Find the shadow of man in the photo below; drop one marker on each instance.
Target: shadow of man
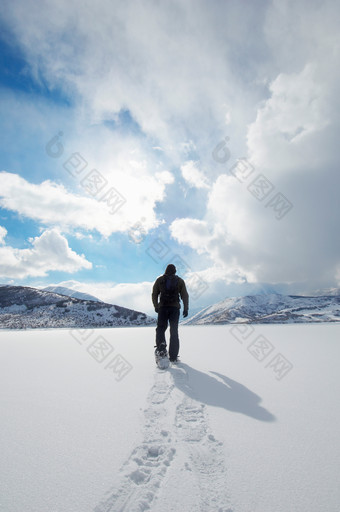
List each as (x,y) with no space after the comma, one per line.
(219,391)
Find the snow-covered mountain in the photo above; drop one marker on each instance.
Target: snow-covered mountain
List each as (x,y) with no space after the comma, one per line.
(273,308)
(24,307)
(63,290)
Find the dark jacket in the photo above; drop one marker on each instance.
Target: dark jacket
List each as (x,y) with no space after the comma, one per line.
(182,291)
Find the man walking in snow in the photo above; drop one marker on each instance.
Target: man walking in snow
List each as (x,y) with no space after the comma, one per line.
(165,297)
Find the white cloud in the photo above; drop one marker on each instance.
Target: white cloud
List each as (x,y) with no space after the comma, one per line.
(130,295)
(165,177)
(192,232)
(213,238)
(49,252)
(51,204)
(238,232)
(186,72)
(82,236)
(193,175)
(3,233)
(148,58)
(337,274)
(212,275)
(292,142)
(297,112)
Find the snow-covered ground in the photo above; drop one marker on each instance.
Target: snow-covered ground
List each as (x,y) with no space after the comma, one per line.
(248,422)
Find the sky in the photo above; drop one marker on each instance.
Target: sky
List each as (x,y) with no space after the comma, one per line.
(139,133)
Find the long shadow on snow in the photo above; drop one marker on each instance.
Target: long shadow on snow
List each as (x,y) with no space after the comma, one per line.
(229,394)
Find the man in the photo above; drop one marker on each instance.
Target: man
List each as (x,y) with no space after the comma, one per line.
(168,288)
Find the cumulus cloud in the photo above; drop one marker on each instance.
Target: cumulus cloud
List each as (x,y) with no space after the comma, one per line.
(48,252)
(292,146)
(213,239)
(186,71)
(3,233)
(291,122)
(193,175)
(175,66)
(165,177)
(240,233)
(52,204)
(192,232)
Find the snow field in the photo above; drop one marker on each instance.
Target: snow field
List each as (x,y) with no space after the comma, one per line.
(218,432)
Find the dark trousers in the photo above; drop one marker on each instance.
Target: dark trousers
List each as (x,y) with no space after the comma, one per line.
(168,314)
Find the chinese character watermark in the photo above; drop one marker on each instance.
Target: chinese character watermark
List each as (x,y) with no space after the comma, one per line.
(261,348)
(137,233)
(260,187)
(242,169)
(221,153)
(101,351)
(93,182)
(160,252)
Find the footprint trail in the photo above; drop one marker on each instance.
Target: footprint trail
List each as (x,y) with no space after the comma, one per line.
(178,451)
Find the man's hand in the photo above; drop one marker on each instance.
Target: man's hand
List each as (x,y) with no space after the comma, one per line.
(185,313)
(156,309)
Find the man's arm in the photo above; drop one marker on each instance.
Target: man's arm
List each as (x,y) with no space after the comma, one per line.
(184,295)
(155,292)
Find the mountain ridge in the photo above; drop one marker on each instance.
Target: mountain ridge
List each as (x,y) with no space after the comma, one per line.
(272,308)
(26,307)
(23,307)
(70,292)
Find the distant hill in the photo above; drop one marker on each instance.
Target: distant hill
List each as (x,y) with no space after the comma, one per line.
(272,308)
(23,307)
(62,290)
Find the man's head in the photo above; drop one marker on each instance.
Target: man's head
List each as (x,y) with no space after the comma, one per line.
(170,269)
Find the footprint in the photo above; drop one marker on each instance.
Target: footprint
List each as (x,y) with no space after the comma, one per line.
(205,457)
(190,421)
(142,474)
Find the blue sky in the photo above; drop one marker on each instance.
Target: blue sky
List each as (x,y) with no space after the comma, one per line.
(134,134)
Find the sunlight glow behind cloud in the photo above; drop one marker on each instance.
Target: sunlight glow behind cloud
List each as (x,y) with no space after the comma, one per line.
(152,89)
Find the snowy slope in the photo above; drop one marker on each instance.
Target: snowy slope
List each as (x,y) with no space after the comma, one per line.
(224,431)
(273,308)
(23,307)
(63,290)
